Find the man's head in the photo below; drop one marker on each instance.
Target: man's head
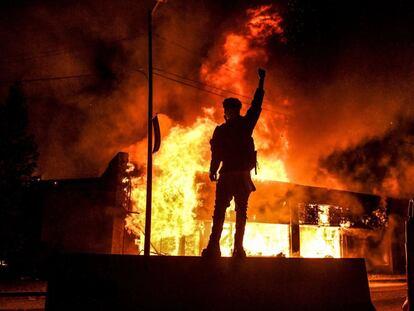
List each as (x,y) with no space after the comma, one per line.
(231,107)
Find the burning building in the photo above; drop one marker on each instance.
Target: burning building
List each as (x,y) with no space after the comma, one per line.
(287,220)
(284,220)
(308,114)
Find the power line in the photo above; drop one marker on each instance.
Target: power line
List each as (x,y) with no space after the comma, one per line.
(186,83)
(42,54)
(86,75)
(208,91)
(189,51)
(76,50)
(203,84)
(176,44)
(58,52)
(24,56)
(50,53)
(209,86)
(91,75)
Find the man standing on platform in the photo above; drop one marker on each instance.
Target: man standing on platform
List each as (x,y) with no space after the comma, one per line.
(232,145)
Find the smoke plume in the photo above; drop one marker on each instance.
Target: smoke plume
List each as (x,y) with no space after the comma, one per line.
(336,87)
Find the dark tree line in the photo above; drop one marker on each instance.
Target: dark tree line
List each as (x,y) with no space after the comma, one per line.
(18,156)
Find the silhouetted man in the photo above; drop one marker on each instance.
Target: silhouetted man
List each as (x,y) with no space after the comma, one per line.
(232,145)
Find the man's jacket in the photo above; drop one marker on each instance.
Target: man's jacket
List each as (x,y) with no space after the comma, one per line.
(232,142)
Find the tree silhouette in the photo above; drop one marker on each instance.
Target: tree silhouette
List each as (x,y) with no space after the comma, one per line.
(18,156)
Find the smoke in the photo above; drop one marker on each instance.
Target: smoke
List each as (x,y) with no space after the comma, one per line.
(378,165)
(81,123)
(337,119)
(374,245)
(334,83)
(349,79)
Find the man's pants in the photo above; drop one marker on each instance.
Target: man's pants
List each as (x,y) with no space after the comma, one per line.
(239,186)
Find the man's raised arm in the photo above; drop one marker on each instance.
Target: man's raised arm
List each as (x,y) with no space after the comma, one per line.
(256,106)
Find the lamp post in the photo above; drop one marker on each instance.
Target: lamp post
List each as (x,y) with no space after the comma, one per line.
(147,241)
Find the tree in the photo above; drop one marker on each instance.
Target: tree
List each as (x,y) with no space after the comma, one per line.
(18,157)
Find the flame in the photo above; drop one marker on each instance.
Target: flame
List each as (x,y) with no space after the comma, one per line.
(227,75)
(264,22)
(185,152)
(240,47)
(320,241)
(323,214)
(259,240)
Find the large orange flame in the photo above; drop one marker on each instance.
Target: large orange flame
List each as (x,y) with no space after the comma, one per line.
(185,152)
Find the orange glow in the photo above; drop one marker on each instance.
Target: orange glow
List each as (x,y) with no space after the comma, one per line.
(227,75)
(185,152)
(320,241)
(260,239)
(241,46)
(264,22)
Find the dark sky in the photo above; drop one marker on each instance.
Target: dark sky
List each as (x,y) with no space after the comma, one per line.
(347,67)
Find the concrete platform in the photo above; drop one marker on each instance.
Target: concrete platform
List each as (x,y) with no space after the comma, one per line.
(121,282)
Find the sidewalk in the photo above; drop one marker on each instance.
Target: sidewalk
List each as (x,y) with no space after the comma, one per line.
(23,294)
(387,293)
(387,280)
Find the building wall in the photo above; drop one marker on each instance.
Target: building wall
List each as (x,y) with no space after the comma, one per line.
(85,215)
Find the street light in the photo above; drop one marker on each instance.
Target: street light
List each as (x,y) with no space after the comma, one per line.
(147,241)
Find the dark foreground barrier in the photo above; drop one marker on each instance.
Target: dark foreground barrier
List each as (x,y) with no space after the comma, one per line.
(121,282)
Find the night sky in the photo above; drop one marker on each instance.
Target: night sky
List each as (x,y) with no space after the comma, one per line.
(346,67)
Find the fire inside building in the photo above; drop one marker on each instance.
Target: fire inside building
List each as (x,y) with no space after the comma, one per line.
(284,220)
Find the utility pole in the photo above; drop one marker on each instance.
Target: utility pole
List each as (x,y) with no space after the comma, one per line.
(147,241)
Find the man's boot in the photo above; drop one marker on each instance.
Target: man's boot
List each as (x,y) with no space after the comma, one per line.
(239,251)
(213,248)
